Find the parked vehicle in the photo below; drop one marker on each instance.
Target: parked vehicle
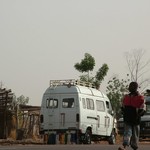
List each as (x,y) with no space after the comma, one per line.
(145,121)
(71,106)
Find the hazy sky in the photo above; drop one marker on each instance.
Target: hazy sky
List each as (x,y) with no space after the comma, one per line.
(41,40)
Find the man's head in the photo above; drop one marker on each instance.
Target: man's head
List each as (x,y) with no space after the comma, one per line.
(133,86)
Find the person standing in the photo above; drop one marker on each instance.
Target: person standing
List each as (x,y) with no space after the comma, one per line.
(132,108)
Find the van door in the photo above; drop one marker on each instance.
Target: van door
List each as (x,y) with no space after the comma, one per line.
(109,119)
(53,112)
(68,111)
(101,117)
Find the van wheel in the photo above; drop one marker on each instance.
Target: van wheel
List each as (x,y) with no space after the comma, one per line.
(87,137)
(112,138)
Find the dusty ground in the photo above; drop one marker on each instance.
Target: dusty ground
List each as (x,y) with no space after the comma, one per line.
(23,142)
(40,141)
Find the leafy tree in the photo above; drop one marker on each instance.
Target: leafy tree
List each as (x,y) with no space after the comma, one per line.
(116,89)
(86,65)
(101,73)
(22,100)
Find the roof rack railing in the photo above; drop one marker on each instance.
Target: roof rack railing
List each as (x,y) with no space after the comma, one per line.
(83,83)
(54,83)
(62,82)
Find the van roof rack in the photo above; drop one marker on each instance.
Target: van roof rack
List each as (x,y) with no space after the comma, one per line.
(70,82)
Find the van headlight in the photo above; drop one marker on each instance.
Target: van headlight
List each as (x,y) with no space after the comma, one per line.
(147,124)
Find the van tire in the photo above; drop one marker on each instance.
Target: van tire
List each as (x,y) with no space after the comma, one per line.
(87,137)
(112,138)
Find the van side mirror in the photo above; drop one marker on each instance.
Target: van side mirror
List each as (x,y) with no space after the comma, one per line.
(111,112)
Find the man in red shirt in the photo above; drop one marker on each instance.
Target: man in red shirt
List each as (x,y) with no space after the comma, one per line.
(133,109)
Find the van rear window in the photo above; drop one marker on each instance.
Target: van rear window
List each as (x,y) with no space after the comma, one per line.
(68,103)
(51,103)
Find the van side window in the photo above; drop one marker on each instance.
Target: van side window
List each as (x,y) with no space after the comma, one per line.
(90,103)
(100,105)
(107,104)
(83,103)
(68,103)
(51,103)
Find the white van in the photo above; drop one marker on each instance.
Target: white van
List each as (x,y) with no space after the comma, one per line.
(71,106)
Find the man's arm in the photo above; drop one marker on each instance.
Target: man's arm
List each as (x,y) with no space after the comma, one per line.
(142,108)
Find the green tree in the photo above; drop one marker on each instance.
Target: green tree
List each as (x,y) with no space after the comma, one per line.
(115,91)
(101,73)
(86,65)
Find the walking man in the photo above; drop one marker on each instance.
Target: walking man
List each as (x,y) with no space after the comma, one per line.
(132,108)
